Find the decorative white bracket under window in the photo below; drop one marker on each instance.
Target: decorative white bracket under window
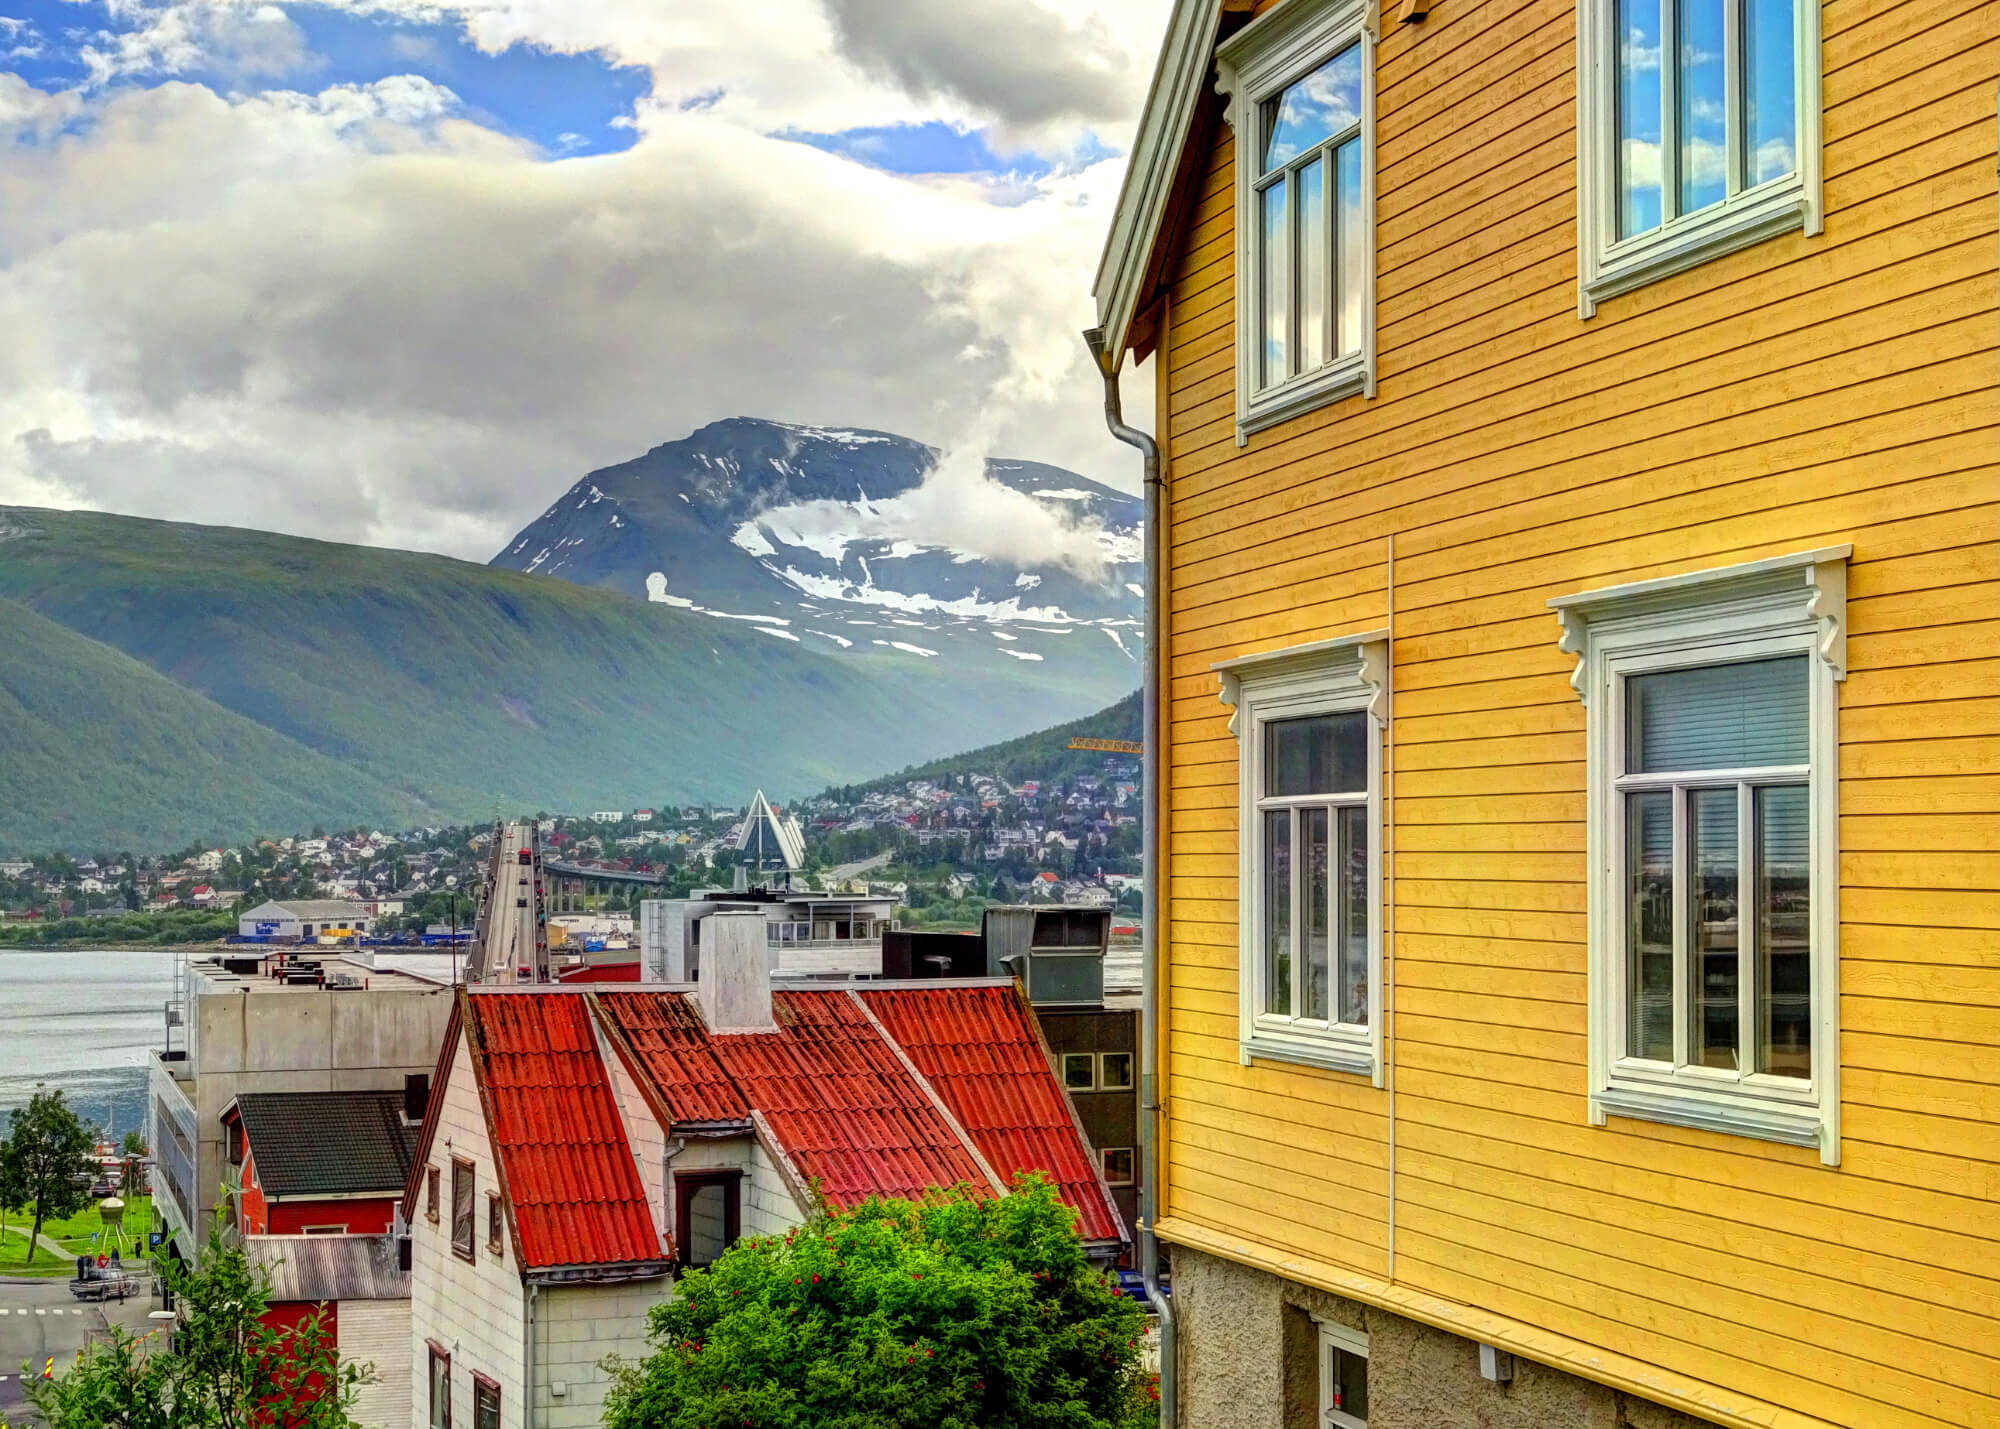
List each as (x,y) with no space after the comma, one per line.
(1818,578)
(1794,603)
(1350,672)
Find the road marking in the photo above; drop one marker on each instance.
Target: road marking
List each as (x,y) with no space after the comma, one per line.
(40,1311)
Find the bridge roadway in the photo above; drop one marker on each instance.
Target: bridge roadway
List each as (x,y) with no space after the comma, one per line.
(557,869)
(510,945)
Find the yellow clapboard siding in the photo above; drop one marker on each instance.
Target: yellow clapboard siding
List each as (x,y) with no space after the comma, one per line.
(1635,1327)
(1889,1395)
(1902,1180)
(1810,1272)
(1649,1265)
(1843,388)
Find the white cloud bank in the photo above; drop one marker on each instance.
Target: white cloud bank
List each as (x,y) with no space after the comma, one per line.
(351,311)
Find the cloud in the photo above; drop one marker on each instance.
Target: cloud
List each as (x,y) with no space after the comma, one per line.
(242,40)
(1011,60)
(359,314)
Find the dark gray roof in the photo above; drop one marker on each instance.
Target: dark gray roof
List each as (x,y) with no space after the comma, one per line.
(328,1143)
(330,1267)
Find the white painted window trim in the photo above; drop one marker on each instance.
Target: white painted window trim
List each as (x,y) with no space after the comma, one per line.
(1608,265)
(1354,1342)
(1279,46)
(1335,676)
(1788,604)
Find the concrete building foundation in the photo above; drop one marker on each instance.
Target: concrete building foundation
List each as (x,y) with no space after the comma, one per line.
(1249,1359)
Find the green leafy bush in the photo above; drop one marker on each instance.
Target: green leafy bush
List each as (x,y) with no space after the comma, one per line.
(966,1311)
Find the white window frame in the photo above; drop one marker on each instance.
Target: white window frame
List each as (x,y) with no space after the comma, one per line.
(1759,610)
(1089,1059)
(1607,264)
(1353,1342)
(1253,65)
(1334,676)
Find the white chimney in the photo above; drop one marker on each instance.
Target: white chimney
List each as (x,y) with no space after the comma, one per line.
(735,981)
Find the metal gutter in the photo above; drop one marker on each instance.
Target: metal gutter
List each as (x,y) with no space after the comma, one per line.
(1151,813)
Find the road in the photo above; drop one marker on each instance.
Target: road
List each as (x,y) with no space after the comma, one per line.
(510,948)
(855,870)
(39,1319)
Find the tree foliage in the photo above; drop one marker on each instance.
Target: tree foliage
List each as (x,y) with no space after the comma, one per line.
(221,1368)
(968,1311)
(45,1163)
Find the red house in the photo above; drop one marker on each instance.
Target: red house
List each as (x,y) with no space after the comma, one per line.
(319,1178)
(319,1163)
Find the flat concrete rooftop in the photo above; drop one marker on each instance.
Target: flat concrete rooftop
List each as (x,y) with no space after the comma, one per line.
(337,969)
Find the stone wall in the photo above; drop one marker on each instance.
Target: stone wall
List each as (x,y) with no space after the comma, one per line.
(1249,1359)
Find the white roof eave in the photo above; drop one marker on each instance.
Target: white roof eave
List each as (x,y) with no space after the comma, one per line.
(1171,104)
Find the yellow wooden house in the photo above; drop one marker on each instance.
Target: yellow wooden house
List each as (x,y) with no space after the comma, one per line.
(1578,934)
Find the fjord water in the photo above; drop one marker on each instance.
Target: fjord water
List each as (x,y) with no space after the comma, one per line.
(83,1022)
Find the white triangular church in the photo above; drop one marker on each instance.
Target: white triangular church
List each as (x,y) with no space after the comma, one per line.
(771,841)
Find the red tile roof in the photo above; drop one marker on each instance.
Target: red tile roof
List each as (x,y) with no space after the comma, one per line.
(557,1131)
(980,1049)
(667,1035)
(843,1105)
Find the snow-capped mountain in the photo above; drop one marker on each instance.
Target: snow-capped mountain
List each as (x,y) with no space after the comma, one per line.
(856,541)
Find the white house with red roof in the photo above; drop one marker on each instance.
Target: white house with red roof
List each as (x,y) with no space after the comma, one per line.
(583,1145)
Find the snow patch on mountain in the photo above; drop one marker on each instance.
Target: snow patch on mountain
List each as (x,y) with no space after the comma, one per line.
(969,607)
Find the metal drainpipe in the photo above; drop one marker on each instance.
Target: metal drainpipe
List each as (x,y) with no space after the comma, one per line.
(1149,735)
(528,1365)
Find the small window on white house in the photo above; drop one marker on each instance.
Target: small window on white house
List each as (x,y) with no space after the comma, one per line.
(1301,83)
(1308,726)
(1700,132)
(1714,978)
(1343,1377)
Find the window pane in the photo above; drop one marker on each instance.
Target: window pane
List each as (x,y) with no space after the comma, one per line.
(1649,972)
(1717,717)
(1278,912)
(461,1207)
(1078,1073)
(1313,110)
(1712,925)
(1770,105)
(1703,105)
(1784,932)
(1321,754)
(1347,1383)
(1354,961)
(1352,235)
(1277,290)
(1316,913)
(1117,1071)
(1315,257)
(708,1223)
(1638,116)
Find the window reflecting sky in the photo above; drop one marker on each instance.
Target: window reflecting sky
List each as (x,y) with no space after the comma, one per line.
(1314,109)
(1766,110)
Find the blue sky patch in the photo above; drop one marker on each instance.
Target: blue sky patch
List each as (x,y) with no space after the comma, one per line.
(566,104)
(930,148)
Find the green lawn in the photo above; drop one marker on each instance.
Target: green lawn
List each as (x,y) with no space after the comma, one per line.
(74,1234)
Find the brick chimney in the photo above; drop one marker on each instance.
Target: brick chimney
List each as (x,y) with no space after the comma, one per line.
(735,982)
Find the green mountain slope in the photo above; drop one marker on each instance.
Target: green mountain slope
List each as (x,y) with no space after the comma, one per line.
(1043,755)
(106,754)
(467,690)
